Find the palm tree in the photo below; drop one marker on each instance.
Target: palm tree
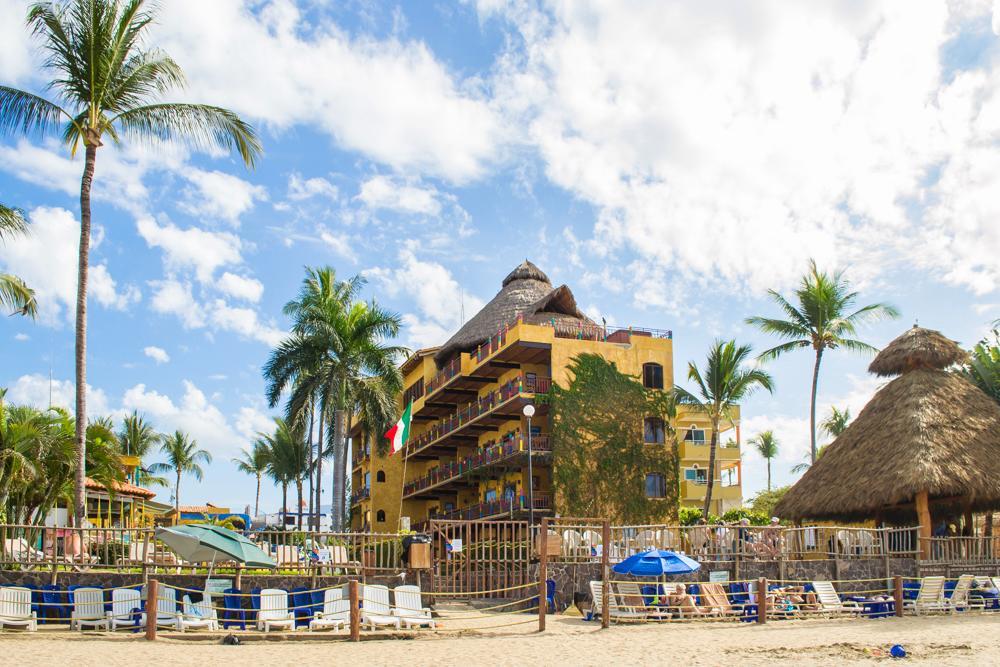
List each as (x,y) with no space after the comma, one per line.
(767,446)
(288,460)
(983,367)
(183,456)
(109,86)
(835,424)
(14,293)
(722,385)
(254,462)
(824,319)
(336,346)
(137,437)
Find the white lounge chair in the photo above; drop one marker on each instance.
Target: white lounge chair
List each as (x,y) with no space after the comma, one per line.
(615,611)
(930,597)
(15,608)
(959,600)
(829,601)
(287,555)
(18,550)
(138,554)
(198,615)
(274,612)
(409,608)
(166,608)
(88,609)
(375,609)
(336,611)
(126,607)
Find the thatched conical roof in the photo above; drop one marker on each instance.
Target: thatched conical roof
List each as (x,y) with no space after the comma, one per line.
(526,291)
(927,430)
(917,348)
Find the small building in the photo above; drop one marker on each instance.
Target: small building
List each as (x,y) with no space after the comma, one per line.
(210,512)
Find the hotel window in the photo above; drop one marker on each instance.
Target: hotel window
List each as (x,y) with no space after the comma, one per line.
(696,475)
(380,516)
(380,476)
(729,477)
(413,392)
(695,435)
(652,376)
(656,485)
(653,431)
(368,480)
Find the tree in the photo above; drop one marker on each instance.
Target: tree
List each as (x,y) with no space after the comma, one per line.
(767,446)
(110,87)
(183,456)
(137,437)
(14,293)
(287,460)
(983,367)
(337,344)
(834,424)
(823,319)
(254,462)
(600,455)
(764,501)
(719,388)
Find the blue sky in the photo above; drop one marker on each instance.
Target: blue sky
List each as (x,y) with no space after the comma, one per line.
(669,161)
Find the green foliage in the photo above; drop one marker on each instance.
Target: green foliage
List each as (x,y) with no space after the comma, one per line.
(755,517)
(14,293)
(600,460)
(689,516)
(983,368)
(183,456)
(764,501)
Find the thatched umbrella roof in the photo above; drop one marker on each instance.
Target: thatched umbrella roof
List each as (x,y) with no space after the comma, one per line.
(917,348)
(526,291)
(927,430)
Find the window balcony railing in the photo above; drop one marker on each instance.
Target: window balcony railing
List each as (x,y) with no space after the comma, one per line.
(498,507)
(447,373)
(362,494)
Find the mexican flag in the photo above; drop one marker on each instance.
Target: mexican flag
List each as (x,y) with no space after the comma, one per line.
(400,433)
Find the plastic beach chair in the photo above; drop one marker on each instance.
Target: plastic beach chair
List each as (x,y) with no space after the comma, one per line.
(166,607)
(930,597)
(336,611)
(274,611)
(375,609)
(15,608)
(198,614)
(233,612)
(126,609)
(55,607)
(410,609)
(88,609)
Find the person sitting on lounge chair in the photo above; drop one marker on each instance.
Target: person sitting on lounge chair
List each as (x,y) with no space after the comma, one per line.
(683,602)
(796,596)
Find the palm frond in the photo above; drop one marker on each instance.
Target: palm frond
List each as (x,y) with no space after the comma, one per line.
(24,113)
(17,296)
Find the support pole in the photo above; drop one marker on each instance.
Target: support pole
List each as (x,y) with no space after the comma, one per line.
(897,594)
(355,611)
(152,603)
(762,600)
(543,557)
(605,574)
(924,517)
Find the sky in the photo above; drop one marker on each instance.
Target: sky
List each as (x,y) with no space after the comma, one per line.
(670,161)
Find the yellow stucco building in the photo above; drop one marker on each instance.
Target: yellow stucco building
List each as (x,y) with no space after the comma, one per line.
(467,457)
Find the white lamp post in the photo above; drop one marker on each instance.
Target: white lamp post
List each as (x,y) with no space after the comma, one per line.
(529,412)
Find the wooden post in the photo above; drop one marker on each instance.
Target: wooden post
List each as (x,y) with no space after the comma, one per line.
(897,594)
(355,611)
(543,557)
(238,581)
(762,600)
(152,602)
(605,574)
(924,517)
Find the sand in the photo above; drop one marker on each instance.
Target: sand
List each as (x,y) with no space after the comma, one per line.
(568,642)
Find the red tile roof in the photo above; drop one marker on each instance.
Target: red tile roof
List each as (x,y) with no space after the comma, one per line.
(125,488)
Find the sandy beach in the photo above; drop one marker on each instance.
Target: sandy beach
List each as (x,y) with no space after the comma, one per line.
(967,640)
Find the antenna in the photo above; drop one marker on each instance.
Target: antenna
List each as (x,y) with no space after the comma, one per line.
(461,302)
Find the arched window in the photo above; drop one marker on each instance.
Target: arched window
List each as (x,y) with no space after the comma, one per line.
(652,376)
(380,476)
(656,485)
(695,434)
(380,516)
(653,431)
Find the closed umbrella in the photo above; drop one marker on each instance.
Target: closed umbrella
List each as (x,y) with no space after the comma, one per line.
(204,543)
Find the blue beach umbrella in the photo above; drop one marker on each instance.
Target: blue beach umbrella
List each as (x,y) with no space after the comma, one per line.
(657,563)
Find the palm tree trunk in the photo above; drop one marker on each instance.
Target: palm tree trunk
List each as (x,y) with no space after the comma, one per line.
(256,499)
(284,503)
(310,467)
(177,496)
(319,469)
(338,469)
(298,488)
(769,474)
(812,406)
(711,468)
(83,263)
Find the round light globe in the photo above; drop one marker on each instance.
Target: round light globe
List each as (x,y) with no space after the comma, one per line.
(529,411)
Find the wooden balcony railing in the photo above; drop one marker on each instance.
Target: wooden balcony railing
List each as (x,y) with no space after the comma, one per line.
(498,507)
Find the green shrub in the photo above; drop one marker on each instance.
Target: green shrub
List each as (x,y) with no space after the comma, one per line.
(756,518)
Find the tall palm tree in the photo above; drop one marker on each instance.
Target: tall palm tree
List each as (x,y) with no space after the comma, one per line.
(834,424)
(767,446)
(337,344)
(137,437)
(106,84)
(720,387)
(254,462)
(824,319)
(14,293)
(288,460)
(183,456)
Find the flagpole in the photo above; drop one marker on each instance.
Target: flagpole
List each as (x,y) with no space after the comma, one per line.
(402,490)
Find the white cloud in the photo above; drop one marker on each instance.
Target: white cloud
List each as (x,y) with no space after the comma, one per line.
(383,192)
(194,415)
(192,248)
(35,389)
(215,194)
(173,297)
(337,243)
(250,421)
(244,322)
(47,260)
(157,354)
(240,287)
(300,188)
(21,337)
(15,43)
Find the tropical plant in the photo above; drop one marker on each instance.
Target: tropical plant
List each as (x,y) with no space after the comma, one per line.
(137,437)
(183,456)
(722,384)
(767,446)
(824,319)
(287,460)
(108,85)
(14,293)
(834,424)
(230,522)
(763,502)
(255,462)
(983,366)
(337,345)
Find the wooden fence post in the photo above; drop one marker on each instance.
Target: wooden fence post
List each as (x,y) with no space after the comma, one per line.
(152,602)
(762,600)
(355,611)
(897,594)
(543,557)
(605,574)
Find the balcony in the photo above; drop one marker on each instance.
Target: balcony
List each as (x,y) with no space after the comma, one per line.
(698,450)
(475,417)
(363,494)
(695,490)
(498,508)
(504,452)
